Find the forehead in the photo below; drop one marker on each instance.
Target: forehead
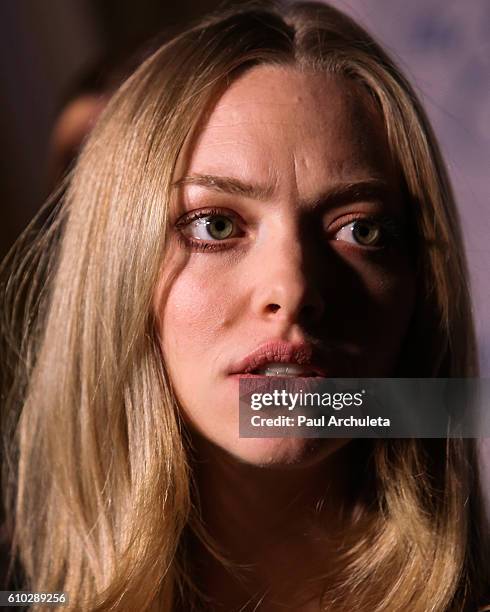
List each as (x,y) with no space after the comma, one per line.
(280,125)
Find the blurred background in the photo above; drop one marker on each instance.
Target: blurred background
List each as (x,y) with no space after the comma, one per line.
(60,60)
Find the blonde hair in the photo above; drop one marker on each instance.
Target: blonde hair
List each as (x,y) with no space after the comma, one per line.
(98,475)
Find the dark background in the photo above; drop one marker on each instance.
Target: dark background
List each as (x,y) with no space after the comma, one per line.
(46,48)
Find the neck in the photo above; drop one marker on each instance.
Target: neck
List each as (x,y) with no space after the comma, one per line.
(276,523)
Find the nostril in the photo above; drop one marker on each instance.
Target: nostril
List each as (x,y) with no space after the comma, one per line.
(273,307)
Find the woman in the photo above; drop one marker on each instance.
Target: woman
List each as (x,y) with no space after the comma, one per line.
(264,194)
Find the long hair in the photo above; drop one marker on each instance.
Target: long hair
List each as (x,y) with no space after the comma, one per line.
(97,473)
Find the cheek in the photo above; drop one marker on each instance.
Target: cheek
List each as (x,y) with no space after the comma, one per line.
(379,310)
(388,293)
(373,287)
(391,305)
(193,313)
(391,290)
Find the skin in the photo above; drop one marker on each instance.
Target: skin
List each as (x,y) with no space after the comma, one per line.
(291,270)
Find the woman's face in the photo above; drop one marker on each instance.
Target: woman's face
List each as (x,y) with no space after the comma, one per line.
(288,246)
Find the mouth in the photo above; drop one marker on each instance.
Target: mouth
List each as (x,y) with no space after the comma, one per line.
(280,358)
(284,369)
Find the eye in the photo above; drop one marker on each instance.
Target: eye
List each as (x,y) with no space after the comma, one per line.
(217,227)
(209,226)
(364,232)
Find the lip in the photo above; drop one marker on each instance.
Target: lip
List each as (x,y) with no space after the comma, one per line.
(279,351)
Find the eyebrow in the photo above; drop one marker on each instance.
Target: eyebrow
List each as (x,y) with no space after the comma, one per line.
(226,184)
(355,191)
(343,193)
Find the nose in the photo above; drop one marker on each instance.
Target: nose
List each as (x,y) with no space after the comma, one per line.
(287,287)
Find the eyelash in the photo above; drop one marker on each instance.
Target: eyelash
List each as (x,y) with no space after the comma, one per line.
(392,230)
(201,245)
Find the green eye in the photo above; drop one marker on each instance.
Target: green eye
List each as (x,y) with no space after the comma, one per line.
(219,227)
(373,233)
(366,233)
(207,227)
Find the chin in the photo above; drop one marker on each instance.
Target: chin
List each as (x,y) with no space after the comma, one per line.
(283,452)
